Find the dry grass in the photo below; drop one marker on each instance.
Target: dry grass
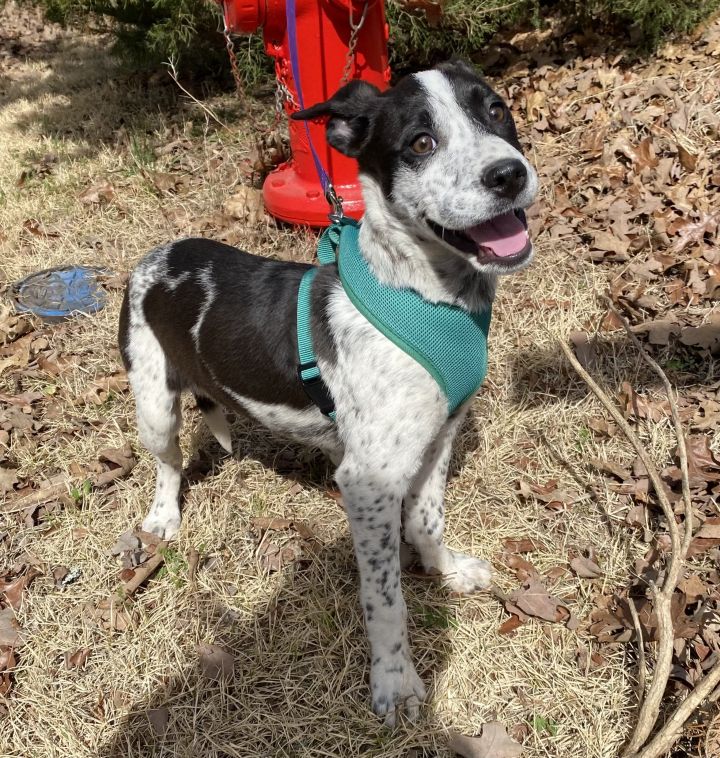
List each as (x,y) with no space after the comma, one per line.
(301,670)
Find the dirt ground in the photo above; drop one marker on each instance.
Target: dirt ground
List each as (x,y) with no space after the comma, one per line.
(97,165)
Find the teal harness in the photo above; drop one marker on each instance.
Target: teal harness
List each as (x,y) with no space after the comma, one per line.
(449,342)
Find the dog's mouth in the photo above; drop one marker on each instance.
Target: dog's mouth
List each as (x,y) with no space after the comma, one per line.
(502,240)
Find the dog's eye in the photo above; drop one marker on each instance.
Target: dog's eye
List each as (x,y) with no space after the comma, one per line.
(497,112)
(423,144)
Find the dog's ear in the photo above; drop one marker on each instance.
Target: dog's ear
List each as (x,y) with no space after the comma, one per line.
(351,111)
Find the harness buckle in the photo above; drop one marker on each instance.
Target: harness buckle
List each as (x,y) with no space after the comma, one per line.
(336,204)
(315,388)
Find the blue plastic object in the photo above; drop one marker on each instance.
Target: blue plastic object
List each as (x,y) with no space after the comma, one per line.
(57,293)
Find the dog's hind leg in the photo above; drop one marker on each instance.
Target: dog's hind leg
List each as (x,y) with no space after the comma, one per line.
(216,422)
(159,420)
(424,519)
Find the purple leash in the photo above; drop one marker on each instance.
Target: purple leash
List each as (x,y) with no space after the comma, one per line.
(331,196)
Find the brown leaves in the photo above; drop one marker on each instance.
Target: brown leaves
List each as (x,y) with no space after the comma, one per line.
(159,719)
(273,555)
(554,498)
(7,664)
(12,588)
(110,615)
(492,742)
(694,232)
(520,545)
(98,193)
(10,632)
(103,387)
(585,568)
(78,659)
(533,599)
(246,205)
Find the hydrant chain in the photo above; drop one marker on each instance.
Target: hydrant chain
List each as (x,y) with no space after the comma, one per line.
(352,43)
(317,47)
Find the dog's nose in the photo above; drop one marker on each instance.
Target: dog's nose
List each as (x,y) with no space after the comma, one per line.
(506,178)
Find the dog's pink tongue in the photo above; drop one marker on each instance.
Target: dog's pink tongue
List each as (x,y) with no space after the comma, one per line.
(503,235)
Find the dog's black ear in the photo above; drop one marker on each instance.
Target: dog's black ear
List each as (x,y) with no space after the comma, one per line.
(351,111)
(458,65)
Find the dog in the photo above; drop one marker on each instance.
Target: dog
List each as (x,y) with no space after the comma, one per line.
(444,185)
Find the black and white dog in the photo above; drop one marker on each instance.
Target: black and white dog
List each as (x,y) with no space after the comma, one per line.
(444,184)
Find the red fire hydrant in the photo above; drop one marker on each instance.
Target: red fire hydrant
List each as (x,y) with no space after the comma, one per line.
(326,30)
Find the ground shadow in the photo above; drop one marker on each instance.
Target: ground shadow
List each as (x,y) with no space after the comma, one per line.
(558,40)
(298,463)
(325,656)
(541,375)
(73,87)
(295,653)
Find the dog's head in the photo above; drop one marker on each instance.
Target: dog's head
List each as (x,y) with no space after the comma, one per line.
(442,148)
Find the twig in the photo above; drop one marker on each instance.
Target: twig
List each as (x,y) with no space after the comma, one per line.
(682,448)
(672,728)
(193,560)
(662,599)
(649,709)
(172,72)
(642,664)
(38,498)
(634,441)
(142,573)
(58,489)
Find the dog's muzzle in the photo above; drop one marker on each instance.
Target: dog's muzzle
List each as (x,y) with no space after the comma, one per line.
(502,240)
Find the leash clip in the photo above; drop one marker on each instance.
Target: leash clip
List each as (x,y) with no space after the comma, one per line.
(335,202)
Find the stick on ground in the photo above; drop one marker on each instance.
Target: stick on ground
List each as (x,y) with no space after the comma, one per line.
(649,707)
(143,573)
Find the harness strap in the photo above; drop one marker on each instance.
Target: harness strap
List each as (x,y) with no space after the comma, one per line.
(308,371)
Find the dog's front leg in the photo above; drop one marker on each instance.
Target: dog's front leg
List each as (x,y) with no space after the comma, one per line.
(373,500)
(424,518)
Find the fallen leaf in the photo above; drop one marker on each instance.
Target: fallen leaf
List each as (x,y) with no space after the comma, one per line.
(273,557)
(492,742)
(520,545)
(14,589)
(8,480)
(126,541)
(38,229)
(164,182)
(100,192)
(585,568)
(272,524)
(101,388)
(533,599)
(523,569)
(120,457)
(610,467)
(10,632)
(510,625)
(609,243)
(246,205)
(159,718)
(78,659)
(694,232)
(706,336)
(215,662)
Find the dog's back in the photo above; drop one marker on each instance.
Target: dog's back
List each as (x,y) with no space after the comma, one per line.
(211,305)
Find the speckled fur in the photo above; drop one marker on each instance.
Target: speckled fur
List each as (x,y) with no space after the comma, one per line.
(393,436)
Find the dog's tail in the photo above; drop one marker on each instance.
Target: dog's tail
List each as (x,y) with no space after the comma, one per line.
(216,421)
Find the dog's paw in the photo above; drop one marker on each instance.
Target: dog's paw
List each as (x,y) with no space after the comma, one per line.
(468,574)
(396,687)
(162,523)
